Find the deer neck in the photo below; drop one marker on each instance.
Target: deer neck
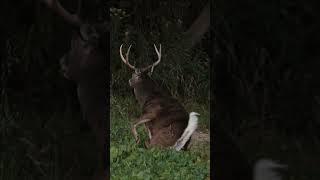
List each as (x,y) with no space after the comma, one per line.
(141,97)
(143,92)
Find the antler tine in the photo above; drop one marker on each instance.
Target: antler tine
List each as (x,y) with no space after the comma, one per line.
(55,5)
(155,63)
(126,60)
(158,53)
(127,54)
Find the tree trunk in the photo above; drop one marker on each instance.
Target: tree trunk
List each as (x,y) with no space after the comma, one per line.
(199,27)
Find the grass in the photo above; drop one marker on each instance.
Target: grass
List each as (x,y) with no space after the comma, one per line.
(131,161)
(34,150)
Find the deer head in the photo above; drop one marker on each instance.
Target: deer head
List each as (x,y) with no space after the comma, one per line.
(88,44)
(140,81)
(86,55)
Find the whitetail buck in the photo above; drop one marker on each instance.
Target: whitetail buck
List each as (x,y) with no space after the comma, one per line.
(167,122)
(86,65)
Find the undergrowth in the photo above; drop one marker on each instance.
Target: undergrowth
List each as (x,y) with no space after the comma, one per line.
(132,161)
(183,71)
(43,146)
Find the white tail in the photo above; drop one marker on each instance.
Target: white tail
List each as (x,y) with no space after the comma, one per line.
(192,126)
(265,169)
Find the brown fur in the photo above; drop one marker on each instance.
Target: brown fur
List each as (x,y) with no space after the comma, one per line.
(168,116)
(164,117)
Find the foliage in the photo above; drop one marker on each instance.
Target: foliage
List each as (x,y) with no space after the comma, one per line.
(184,72)
(265,58)
(43,145)
(132,161)
(266,80)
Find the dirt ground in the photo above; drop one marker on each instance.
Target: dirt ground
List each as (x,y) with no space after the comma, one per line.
(200,139)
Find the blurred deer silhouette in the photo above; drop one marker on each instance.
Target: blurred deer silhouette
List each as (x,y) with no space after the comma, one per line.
(86,65)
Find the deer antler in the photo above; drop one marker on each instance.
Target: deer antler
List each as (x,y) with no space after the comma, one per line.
(126,60)
(155,63)
(55,5)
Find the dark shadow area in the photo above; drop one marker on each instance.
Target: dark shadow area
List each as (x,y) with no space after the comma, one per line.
(43,132)
(266,86)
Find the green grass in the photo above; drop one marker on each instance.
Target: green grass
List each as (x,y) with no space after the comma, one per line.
(131,161)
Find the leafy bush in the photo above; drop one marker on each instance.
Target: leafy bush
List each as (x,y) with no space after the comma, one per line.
(184,72)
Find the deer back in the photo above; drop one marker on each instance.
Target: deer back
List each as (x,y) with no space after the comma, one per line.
(167,111)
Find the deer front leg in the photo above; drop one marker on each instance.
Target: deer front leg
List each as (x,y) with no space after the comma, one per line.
(148,130)
(134,128)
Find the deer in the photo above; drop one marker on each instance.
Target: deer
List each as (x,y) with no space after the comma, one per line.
(166,121)
(168,126)
(86,65)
